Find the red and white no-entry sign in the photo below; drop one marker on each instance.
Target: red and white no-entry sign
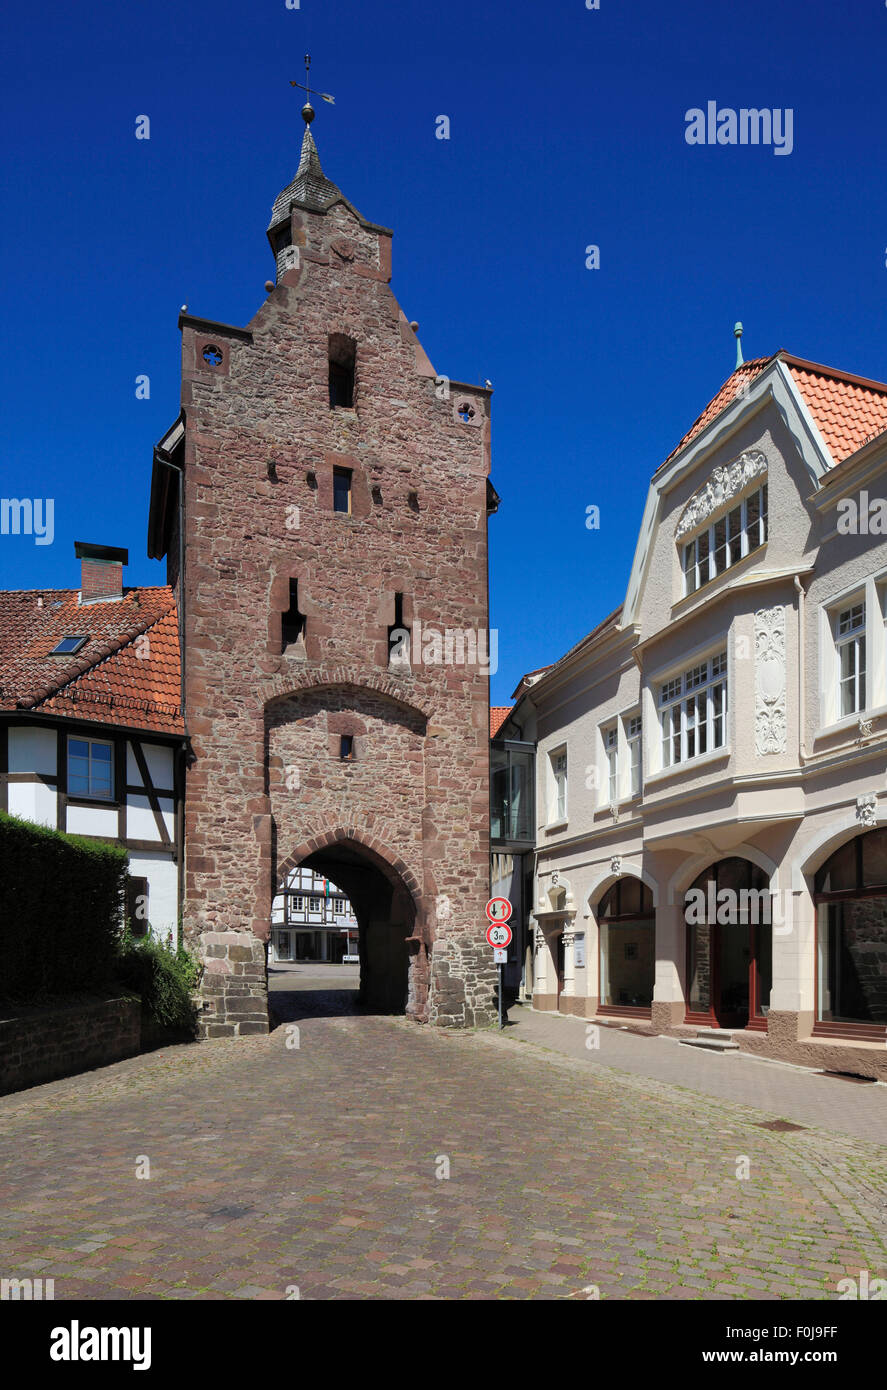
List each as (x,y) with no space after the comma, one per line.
(498,910)
(499,934)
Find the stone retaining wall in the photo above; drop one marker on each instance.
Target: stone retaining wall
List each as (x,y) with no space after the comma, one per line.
(44,1044)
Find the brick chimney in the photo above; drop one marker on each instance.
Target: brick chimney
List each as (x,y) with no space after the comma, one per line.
(101,571)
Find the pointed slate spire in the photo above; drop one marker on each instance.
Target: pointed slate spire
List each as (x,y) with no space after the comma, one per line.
(310,188)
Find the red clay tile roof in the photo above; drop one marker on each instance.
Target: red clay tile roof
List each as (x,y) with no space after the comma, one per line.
(847,410)
(727,394)
(498,716)
(128,672)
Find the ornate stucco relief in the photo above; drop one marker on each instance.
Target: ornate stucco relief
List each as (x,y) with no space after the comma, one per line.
(770,716)
(867,809)
(724,484)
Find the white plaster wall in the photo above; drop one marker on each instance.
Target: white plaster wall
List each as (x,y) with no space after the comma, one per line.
(596,693)
(140,823)
(32,749)
(160,765)
(162,874)
(32,801)
(92,820)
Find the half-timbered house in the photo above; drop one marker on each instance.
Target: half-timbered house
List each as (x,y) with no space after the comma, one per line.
(92,737)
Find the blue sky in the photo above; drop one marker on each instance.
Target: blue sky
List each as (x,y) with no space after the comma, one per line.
(567,129)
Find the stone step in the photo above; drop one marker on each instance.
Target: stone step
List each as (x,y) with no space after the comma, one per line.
(713,1040)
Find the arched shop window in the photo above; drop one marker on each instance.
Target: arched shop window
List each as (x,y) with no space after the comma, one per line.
(728,915)
(850,891)
(626,921)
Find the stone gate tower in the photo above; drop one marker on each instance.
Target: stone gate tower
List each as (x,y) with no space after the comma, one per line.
(330,544)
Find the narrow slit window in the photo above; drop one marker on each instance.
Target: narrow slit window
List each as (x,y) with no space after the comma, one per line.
(346,748)
(342,357)
(398,648)
(282,238)
(342,490)
(292,624)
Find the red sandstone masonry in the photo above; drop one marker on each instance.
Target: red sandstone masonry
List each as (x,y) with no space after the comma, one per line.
(416,797)
(45,1044)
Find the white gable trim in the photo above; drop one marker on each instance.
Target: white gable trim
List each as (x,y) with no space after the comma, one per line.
(775,385)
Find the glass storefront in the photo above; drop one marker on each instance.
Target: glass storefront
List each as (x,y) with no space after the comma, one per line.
(728,915)
(850,892)
(325,946)
(626,923)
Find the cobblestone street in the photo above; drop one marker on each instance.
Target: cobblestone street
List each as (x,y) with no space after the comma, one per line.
(273,1166)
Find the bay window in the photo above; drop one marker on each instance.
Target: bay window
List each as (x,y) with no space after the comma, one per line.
(693,711)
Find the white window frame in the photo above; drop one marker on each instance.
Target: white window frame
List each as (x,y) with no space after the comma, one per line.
(315,904)
(610,740)
(559,783)
(634,742)
(89,794)
(735,540)
(850,625)
(696,691)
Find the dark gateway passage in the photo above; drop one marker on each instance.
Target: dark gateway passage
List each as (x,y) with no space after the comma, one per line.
(385,916)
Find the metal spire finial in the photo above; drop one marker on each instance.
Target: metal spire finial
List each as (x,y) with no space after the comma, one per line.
(308,109)
(737,334)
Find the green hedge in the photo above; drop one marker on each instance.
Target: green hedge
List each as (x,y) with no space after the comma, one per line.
(164,976)
(61,906)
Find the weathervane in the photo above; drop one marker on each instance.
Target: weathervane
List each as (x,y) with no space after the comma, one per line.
(308,109)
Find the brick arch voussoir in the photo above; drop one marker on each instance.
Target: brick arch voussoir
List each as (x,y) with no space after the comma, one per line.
(281,687)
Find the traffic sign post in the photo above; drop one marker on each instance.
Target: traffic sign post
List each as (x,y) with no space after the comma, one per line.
(499,935)
(498,910)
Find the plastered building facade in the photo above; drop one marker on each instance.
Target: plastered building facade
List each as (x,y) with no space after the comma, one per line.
(711,817)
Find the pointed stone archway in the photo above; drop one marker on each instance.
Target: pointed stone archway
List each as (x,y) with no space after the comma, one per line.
(385,896)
